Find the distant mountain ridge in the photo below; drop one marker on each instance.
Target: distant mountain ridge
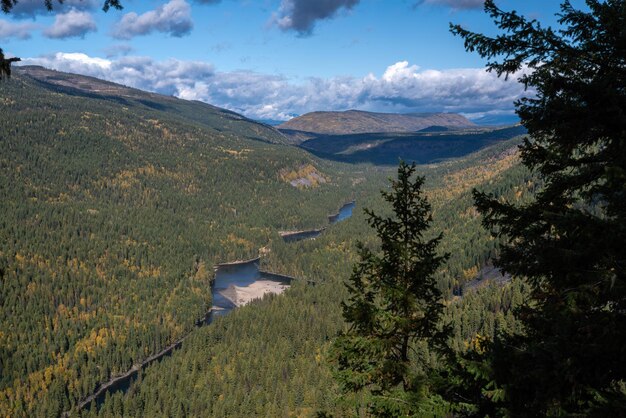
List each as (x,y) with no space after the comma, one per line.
(360,122)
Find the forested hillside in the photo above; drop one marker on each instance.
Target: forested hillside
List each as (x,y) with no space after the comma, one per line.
(116,204)
(162,257)
(186,111)
(113,212)
(270,359)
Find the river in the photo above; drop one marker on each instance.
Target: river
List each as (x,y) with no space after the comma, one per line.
(344,213)
(235,284)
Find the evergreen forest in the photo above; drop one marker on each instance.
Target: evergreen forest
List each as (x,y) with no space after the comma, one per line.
(113,217)
(481,273)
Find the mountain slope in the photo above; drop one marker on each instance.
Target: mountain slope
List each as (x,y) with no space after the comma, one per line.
(114,205)
(215,118)
(355,122)
(270,358)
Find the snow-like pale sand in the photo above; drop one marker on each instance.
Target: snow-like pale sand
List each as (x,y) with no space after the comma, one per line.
(240,295)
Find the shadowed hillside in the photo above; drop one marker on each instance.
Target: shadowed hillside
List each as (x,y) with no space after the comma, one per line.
(422,148)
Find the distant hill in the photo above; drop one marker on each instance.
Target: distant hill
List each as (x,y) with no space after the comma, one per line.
(213,117)
(359,122)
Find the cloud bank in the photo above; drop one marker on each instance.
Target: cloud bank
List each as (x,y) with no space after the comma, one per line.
(401,87)
(173,18)
(301,15)
(10,30)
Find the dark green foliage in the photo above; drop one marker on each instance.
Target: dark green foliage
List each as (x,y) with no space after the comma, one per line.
(7,5)
(568,242)
(5,65)
(394,304)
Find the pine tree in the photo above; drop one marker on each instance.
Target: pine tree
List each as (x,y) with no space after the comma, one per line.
(5,65)
(394,306)
(569,243)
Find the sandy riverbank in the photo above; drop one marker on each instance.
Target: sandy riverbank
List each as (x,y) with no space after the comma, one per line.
(240,295)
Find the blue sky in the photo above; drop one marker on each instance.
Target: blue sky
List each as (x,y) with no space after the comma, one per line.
(276,58)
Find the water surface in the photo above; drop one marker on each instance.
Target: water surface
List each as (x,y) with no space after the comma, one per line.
(344,213)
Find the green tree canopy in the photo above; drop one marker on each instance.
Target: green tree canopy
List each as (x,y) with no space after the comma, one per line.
(394,304)
(570,241)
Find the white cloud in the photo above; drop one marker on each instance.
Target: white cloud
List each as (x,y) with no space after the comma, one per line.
(73,62)
(173,18)
(82,59)
(10,30)
(401,87)
(399,71)
(71,24)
